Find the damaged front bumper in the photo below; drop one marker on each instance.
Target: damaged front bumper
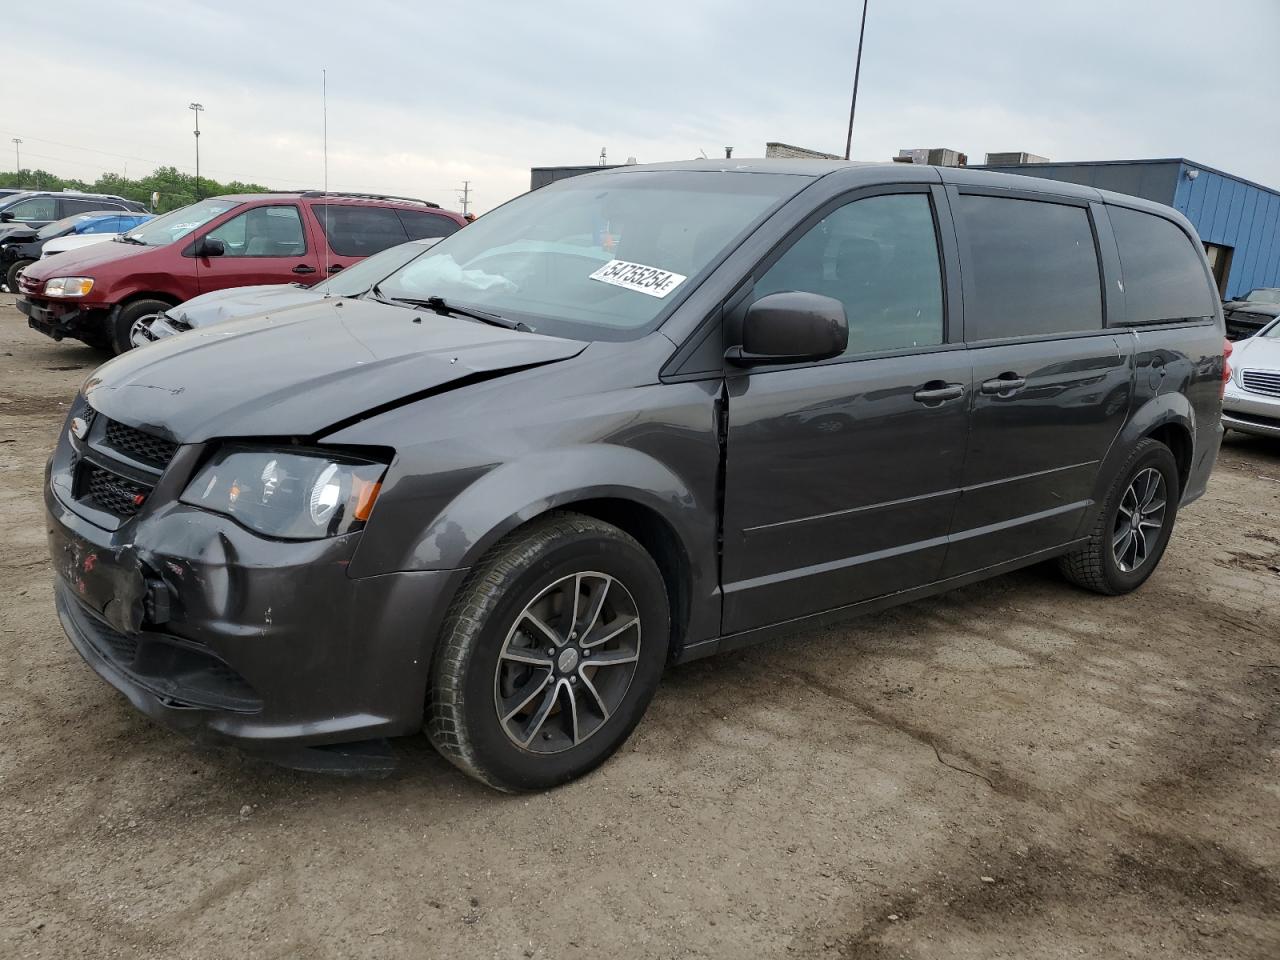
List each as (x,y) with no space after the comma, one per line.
(235,638)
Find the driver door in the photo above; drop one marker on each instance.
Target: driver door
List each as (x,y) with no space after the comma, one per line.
(264,245)
(842,476)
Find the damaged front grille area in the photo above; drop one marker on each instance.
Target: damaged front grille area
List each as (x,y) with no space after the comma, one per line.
(113,493)
(113,467)
(139,445)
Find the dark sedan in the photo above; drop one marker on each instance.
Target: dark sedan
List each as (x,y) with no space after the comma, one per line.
(1248,314)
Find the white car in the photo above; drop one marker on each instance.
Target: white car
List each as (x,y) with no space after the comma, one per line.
(74,242)
(1251,403)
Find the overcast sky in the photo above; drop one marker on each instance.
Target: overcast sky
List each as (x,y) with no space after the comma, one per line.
(424,95)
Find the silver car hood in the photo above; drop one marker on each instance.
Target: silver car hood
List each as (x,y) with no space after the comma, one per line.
(221,305)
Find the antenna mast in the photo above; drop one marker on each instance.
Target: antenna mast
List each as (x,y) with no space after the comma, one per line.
(324,106)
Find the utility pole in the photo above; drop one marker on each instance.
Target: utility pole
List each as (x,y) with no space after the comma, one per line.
(853,103)
(17,153)
(196,108)
(464,196)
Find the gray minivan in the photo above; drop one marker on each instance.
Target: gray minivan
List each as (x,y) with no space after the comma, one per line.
(630,419)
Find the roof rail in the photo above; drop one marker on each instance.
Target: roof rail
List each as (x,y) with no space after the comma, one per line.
(369,196)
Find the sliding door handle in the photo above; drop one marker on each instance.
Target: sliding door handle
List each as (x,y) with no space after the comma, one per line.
(936,391)
(1005,383)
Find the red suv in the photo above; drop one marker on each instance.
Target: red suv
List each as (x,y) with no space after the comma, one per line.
(98,293)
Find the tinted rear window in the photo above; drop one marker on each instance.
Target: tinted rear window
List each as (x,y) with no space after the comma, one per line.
(359,231)
(1163,276)
(421,225)
(1032,268)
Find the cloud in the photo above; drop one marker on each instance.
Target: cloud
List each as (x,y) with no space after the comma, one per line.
(425,95)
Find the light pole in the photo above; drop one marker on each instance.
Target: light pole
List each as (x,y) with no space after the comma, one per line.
(853,103)
(17,153)
(196,108)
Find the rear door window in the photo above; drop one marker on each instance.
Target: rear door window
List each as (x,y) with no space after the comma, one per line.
(1030,269)
(70,207)
(34,209)
(879,257)
(420,225)
(1163,276)
(359,231)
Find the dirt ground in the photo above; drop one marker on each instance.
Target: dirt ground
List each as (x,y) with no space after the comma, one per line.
(1016,769)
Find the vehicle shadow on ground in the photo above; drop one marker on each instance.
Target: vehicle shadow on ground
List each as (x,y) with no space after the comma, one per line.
(753,672)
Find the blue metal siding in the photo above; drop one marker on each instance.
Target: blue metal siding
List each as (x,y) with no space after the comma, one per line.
(1236,214)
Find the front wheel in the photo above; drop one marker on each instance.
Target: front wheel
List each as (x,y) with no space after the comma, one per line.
(120,326)
(11,275)
(549,655)
(1134,525)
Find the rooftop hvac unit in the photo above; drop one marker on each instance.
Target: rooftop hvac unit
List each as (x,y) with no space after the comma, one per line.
(1009,159)
(934,156)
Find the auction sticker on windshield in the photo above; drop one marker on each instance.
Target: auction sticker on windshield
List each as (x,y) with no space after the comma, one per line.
(638,277)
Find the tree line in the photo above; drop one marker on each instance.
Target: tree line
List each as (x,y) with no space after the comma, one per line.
(176,189)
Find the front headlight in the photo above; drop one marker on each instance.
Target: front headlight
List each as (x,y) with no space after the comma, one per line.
(68,287)
(293,496)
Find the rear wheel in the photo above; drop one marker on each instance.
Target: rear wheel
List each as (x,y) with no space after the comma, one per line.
(1134,525)
(120,328)
(549,655)
(11,275)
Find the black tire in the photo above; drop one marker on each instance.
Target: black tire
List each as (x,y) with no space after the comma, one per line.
(120,327)
(1096,567)
(11,275)
(463,720)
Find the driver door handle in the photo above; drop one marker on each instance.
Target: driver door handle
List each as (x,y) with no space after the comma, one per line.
(936,391)
(304,268)
(335,268)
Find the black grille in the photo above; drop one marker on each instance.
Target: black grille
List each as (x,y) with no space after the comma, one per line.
(113,493)
(1261,381)
(144,447)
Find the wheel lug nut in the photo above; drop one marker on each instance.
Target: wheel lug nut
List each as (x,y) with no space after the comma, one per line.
(586,653)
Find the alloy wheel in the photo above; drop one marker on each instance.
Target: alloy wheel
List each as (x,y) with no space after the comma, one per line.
(567,662)
(1139,520)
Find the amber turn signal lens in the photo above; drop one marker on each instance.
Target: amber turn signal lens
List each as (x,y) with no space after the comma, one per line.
(364,493)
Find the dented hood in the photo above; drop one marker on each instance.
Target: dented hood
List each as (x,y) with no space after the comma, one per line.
(302,369)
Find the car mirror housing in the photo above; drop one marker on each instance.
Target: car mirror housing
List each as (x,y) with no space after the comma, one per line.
(210,247)
(6,217)
(791,327)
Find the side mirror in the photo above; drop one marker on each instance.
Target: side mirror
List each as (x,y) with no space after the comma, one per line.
(210,247)
(6,217)
(791,327)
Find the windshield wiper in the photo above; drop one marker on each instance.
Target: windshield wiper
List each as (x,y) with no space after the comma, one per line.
(440,305)
(123,239)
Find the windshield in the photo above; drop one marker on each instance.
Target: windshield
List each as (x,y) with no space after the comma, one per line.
(176,225)
(597,257)
(1268,295)
(356,279)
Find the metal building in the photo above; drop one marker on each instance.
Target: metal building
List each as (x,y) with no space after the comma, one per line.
(1238,220)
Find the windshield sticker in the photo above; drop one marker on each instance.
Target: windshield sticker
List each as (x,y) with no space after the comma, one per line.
(638,277)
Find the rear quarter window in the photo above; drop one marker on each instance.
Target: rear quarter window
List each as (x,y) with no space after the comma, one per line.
(421,225)
(1163,276)
(1031,268)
